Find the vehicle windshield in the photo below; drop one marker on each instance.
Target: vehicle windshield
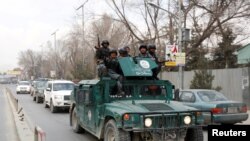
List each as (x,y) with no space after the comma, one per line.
(63,86)
(210,96)
(152,90)
(141,90)
(41,84)
(24,83)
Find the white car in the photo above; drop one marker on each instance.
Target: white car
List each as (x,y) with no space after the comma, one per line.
(23,87)
(57,94)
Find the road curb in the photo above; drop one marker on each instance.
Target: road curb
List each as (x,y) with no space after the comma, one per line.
(24,130)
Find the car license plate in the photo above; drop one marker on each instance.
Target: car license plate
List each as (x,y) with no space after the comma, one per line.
(232,110)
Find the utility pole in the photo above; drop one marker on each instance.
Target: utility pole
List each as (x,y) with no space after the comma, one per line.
(82,6)
(54,34)
(180,17)
(180,21)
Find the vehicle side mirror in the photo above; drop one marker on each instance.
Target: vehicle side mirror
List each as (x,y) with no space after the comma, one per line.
(177,95)
(48,89)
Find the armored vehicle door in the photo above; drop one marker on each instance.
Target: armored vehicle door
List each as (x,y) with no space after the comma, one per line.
(86,108)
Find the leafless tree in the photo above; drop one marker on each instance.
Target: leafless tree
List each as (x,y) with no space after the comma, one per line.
(149,27)
(29,60)
(215,16)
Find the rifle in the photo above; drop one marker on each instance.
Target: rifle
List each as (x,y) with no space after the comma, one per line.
(98,43)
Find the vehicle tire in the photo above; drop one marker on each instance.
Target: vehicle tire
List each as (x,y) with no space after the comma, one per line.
(194,134)
(37,99)
(112,133)
(45,105)
(34,98)
(136,137)
(52,107)
(75,122)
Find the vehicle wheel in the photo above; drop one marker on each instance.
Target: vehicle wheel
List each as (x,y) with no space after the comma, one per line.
(194,134)
(112,133)
(45,105)
(52,107)
(34,98)
(75,123)
(136,137)
(37,99)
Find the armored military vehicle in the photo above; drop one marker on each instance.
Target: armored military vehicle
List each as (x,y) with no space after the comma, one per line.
(145,112)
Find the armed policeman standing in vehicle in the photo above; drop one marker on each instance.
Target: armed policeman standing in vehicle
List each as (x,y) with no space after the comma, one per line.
(114,70)
(153,56)
(102,53)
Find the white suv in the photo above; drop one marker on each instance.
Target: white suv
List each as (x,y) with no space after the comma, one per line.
(57,94)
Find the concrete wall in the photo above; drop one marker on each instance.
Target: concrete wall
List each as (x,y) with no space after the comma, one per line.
(231,81)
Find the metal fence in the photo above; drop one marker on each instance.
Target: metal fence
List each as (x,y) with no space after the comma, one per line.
(234,82)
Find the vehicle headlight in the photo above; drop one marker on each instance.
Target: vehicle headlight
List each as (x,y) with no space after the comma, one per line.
(17,89)
(148,122)
(59,97)
(187,119)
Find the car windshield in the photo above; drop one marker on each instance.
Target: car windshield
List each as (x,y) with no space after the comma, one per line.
(41,84)
(210,96)
(24,83)
(63,86)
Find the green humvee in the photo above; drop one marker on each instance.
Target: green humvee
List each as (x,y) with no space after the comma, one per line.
(145,112)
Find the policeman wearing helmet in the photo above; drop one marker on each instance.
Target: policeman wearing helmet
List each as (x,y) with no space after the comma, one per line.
(143,51)
(114,70)
(123,52)
(102,54)
(153,56)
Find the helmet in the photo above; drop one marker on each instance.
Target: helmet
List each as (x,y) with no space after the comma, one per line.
(105,42)
(112,51)
(151,46)
(126,47)
(143,46)
(123,50)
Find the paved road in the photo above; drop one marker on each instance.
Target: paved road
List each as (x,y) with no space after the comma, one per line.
(55,125)
(7,125)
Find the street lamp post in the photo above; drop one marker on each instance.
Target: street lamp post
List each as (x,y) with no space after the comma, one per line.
(54,33)
(82,6)
(180,21)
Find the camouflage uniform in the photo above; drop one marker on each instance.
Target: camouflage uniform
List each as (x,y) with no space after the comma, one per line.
(155,58)
(114,71)
(101,55)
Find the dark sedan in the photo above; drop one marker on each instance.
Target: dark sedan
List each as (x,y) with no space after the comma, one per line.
(224,111)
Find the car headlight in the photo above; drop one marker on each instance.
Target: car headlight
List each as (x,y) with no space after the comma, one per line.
(187,119)
(59,97)
(148,122)
(17,89)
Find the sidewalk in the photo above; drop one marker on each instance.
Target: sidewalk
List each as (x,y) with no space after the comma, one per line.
(23,131)
(8,130)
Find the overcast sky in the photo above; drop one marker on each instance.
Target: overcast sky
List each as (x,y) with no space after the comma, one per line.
(27,24)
